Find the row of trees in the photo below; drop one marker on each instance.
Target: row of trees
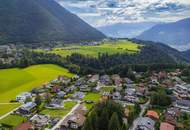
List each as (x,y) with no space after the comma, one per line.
(109,64)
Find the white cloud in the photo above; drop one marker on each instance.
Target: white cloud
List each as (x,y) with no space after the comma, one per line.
(102,12)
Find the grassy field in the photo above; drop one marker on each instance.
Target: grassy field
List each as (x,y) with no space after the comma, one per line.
(59,112)
(12,120)
(121,46)
(107,89)
(5,108)
(92,96)
(15,81)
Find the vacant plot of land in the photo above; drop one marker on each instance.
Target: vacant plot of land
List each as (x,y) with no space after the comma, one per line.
(5,108)
(92,96)
(15,81)
(107,89)
(121,46)
(60,112)
(12,120)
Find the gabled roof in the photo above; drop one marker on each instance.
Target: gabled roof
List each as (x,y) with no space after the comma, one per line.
(146,122)
(166,126)
(152,114)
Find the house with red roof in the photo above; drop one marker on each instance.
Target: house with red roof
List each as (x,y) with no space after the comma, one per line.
(152,114)
(166,126)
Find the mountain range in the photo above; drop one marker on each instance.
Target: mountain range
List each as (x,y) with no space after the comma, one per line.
(175,34)
(34,21)
(126,30)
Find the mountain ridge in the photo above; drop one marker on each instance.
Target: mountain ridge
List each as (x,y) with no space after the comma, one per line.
(175,33)
(29,21)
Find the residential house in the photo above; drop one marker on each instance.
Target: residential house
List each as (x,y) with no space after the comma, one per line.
(23,96)
(171,115)
(166,126)
(130,91)
(130,95)
(78,95)
(145,123)
(40,121)
(80,81)
(76,121)
(117,80)
(105,79)
(84,88)
(128,81)
(61,94)
(55,104)
(116,96)
(56,89)
(181,91)
(152,114)
(94,78)
(27,108)
(183,105)
(132,99)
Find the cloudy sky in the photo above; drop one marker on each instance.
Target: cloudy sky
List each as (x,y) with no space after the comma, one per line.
(104,12)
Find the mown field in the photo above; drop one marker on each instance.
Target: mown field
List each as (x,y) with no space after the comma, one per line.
(13,120)
(121,46)
(15,81)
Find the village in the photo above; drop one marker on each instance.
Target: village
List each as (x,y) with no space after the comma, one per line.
(64,103)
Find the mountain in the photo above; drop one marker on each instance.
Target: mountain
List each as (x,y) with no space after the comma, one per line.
(162,51)
(175,34)
(126,30)
(28,21)
(187,54)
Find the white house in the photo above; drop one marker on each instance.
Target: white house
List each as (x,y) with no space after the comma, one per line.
(23,96)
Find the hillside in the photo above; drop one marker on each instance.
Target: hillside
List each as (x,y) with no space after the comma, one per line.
(187,54)
(174,34)
(33,21)
(126,30)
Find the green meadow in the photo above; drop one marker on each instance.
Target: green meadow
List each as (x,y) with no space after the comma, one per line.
(12,120)
(121,46)
(14,81)
(5,108)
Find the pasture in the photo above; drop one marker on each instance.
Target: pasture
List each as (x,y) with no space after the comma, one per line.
(14,81)
(121,46)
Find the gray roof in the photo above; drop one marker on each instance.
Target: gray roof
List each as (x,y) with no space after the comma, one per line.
(146,123)
(183,102)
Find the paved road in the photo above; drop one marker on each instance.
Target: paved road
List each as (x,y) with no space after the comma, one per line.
(143,109)
(59,123)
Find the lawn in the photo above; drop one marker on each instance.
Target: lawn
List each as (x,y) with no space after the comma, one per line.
(92,96)
(107,89)
(15,81)
(13,120)
(121,46)
(5,108)
(60,112)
